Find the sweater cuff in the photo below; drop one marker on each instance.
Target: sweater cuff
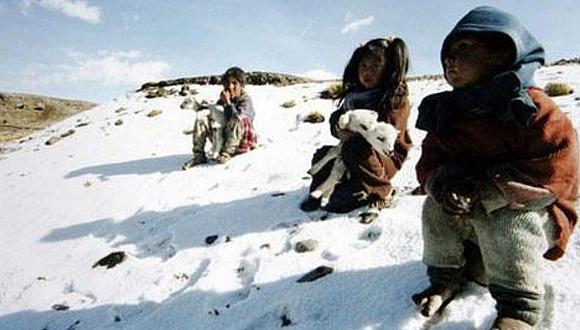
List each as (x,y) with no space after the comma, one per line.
(229,111)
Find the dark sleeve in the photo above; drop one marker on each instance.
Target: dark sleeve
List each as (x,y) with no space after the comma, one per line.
(433,169)
(399,118)
(334,120)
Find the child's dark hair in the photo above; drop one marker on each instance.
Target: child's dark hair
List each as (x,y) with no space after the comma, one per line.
(235,72)
(393,82)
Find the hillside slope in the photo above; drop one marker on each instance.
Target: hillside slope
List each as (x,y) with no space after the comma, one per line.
(22,114)
(115,185)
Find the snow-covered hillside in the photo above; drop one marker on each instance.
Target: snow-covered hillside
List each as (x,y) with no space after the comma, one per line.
(115,186)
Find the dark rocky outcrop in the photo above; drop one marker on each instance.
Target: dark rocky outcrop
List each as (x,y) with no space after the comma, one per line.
(283,79)
(564,61)
(559,62)
(426,77)
(253,78)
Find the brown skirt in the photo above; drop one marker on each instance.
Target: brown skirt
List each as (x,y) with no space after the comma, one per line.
(370,174)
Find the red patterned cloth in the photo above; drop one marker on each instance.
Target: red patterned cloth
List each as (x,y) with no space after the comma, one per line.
(250,138)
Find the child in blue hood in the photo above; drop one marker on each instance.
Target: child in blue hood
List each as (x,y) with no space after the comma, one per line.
(500,168)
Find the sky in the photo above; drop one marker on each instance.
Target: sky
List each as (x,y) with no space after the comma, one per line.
(97,50)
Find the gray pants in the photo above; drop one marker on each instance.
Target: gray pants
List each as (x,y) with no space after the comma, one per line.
(511,242)
(224,141)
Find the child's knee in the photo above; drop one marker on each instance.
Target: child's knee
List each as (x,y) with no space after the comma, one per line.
(234,123)
(515,231)
(432,215)
(512,245)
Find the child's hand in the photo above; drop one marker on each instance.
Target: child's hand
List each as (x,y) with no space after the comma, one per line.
(459,197)
(226,97)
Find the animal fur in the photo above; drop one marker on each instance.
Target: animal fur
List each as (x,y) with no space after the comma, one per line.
(215,118)
(381,136)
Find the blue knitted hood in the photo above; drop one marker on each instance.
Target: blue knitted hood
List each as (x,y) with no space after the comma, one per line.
(504,96)
(529,53)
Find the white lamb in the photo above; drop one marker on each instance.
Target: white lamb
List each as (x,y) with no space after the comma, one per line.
(214,115)
(381,136)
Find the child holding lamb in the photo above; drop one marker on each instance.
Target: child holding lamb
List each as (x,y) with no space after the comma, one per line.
(239,135)
(500,168)
(374,79)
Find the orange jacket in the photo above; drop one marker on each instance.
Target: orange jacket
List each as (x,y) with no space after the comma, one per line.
(544,155)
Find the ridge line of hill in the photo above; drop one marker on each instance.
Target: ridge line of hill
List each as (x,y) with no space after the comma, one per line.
(285,79)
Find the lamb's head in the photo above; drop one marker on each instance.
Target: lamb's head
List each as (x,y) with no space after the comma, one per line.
(190,103)
(358,121)
(382,137)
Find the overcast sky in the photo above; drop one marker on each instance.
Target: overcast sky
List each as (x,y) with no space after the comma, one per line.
(98,49)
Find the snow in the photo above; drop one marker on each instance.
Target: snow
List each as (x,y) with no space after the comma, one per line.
(113,188)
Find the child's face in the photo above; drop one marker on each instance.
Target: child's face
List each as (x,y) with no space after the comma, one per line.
(233,86)
(469,62)
(370,71)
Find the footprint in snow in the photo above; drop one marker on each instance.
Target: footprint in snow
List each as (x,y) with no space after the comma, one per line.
(200,272)
(329,255)
(247,270)
(73,326)
(371,234)
(120,314)
(292,230)
(247,167)
(82,297)
(270,319)
(161,246)
(215,186)
(368,236)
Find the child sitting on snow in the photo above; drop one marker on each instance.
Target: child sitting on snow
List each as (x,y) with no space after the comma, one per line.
(499,164)
(239,135)
(374,79)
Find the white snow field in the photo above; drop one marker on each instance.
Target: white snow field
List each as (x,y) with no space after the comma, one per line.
(111,187)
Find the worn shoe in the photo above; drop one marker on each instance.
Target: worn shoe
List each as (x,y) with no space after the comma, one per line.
(223,158)
(310,204)
(196,160)
(434,299)
(375,207)
(507,323)
(388,202)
